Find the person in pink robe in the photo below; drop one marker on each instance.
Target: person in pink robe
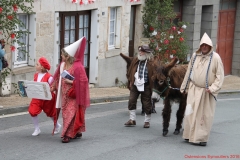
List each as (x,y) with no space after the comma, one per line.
(73,106)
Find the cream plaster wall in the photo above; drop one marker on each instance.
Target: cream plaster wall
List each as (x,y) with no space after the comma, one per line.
(45,26)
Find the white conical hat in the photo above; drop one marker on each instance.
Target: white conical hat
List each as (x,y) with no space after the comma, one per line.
(72,48)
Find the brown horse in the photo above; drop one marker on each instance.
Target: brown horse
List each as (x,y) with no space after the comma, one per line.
(167,81)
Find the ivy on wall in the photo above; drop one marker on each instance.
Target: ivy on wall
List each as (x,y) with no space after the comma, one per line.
(166,38)
(10,24)
(9,21)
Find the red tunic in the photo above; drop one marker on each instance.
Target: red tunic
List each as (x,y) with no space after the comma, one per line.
(37,105)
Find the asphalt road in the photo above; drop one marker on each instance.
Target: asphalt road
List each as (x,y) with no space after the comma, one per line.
(107,138)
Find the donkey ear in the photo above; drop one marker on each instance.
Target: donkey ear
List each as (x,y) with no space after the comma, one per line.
(171,64)
(126,58)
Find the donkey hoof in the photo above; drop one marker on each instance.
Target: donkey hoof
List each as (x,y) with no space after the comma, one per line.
(165,133)
(176,132)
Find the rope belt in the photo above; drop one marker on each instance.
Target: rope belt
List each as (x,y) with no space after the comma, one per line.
(197,85)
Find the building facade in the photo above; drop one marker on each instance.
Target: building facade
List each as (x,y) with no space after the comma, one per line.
(113,27)
(220,19)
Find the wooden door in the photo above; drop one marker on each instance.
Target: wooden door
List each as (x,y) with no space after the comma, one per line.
(226,25)
(73,26)
(132,31)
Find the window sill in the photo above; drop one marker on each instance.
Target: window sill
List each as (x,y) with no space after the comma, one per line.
(22,70)
(113,53)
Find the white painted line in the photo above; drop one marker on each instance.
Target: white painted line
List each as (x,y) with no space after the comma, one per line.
(139,106)
(93,104)
(228,99)
(12,115)
(48,123)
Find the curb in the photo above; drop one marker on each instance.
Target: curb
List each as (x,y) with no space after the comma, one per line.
(229,92)
(92,101)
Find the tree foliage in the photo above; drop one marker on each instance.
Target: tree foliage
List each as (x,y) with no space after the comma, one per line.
(10,24)
(9,21)
(166,38)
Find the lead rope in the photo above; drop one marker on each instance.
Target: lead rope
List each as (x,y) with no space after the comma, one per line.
(190,72)
(207,76)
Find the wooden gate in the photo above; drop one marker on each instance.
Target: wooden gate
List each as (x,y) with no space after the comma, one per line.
(226,25)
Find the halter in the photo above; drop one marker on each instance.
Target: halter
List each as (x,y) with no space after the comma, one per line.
(168,86)
(160,93)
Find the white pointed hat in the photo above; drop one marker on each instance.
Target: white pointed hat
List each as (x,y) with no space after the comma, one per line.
(72,48)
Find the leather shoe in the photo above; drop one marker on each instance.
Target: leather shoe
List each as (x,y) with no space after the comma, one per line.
(203,143)
(130,123)
(78,135)
(65,139)
(186,139)
(146,125)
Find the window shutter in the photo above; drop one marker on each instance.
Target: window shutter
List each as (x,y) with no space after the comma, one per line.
(56,55)
(93,68)
(32,40)
(118,28)
(15,53)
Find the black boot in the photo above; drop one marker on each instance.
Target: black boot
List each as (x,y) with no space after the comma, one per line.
(203,143)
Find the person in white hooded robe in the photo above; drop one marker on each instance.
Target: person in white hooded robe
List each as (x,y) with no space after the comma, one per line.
(202,82)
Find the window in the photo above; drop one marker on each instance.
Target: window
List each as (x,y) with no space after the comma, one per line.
(114,27)
(21,52)
(227,4)
(24,54)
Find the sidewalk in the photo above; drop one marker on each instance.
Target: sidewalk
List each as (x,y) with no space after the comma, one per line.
(15,104)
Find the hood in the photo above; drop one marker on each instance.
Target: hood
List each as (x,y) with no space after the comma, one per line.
(205,39)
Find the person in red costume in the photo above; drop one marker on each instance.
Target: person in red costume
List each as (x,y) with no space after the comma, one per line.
(73,106)
(37,105)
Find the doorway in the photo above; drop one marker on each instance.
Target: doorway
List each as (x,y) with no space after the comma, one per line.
(226,26)
(73,26)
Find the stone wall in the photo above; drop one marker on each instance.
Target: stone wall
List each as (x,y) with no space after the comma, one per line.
(200,21)
(188,15)
(236,44)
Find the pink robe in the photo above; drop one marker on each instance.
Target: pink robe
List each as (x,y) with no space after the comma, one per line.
(72,113)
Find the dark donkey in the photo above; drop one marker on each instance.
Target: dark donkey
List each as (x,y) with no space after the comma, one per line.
(167,81)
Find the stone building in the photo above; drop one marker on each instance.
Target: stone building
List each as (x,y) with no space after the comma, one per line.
(220,19)
(115,26)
